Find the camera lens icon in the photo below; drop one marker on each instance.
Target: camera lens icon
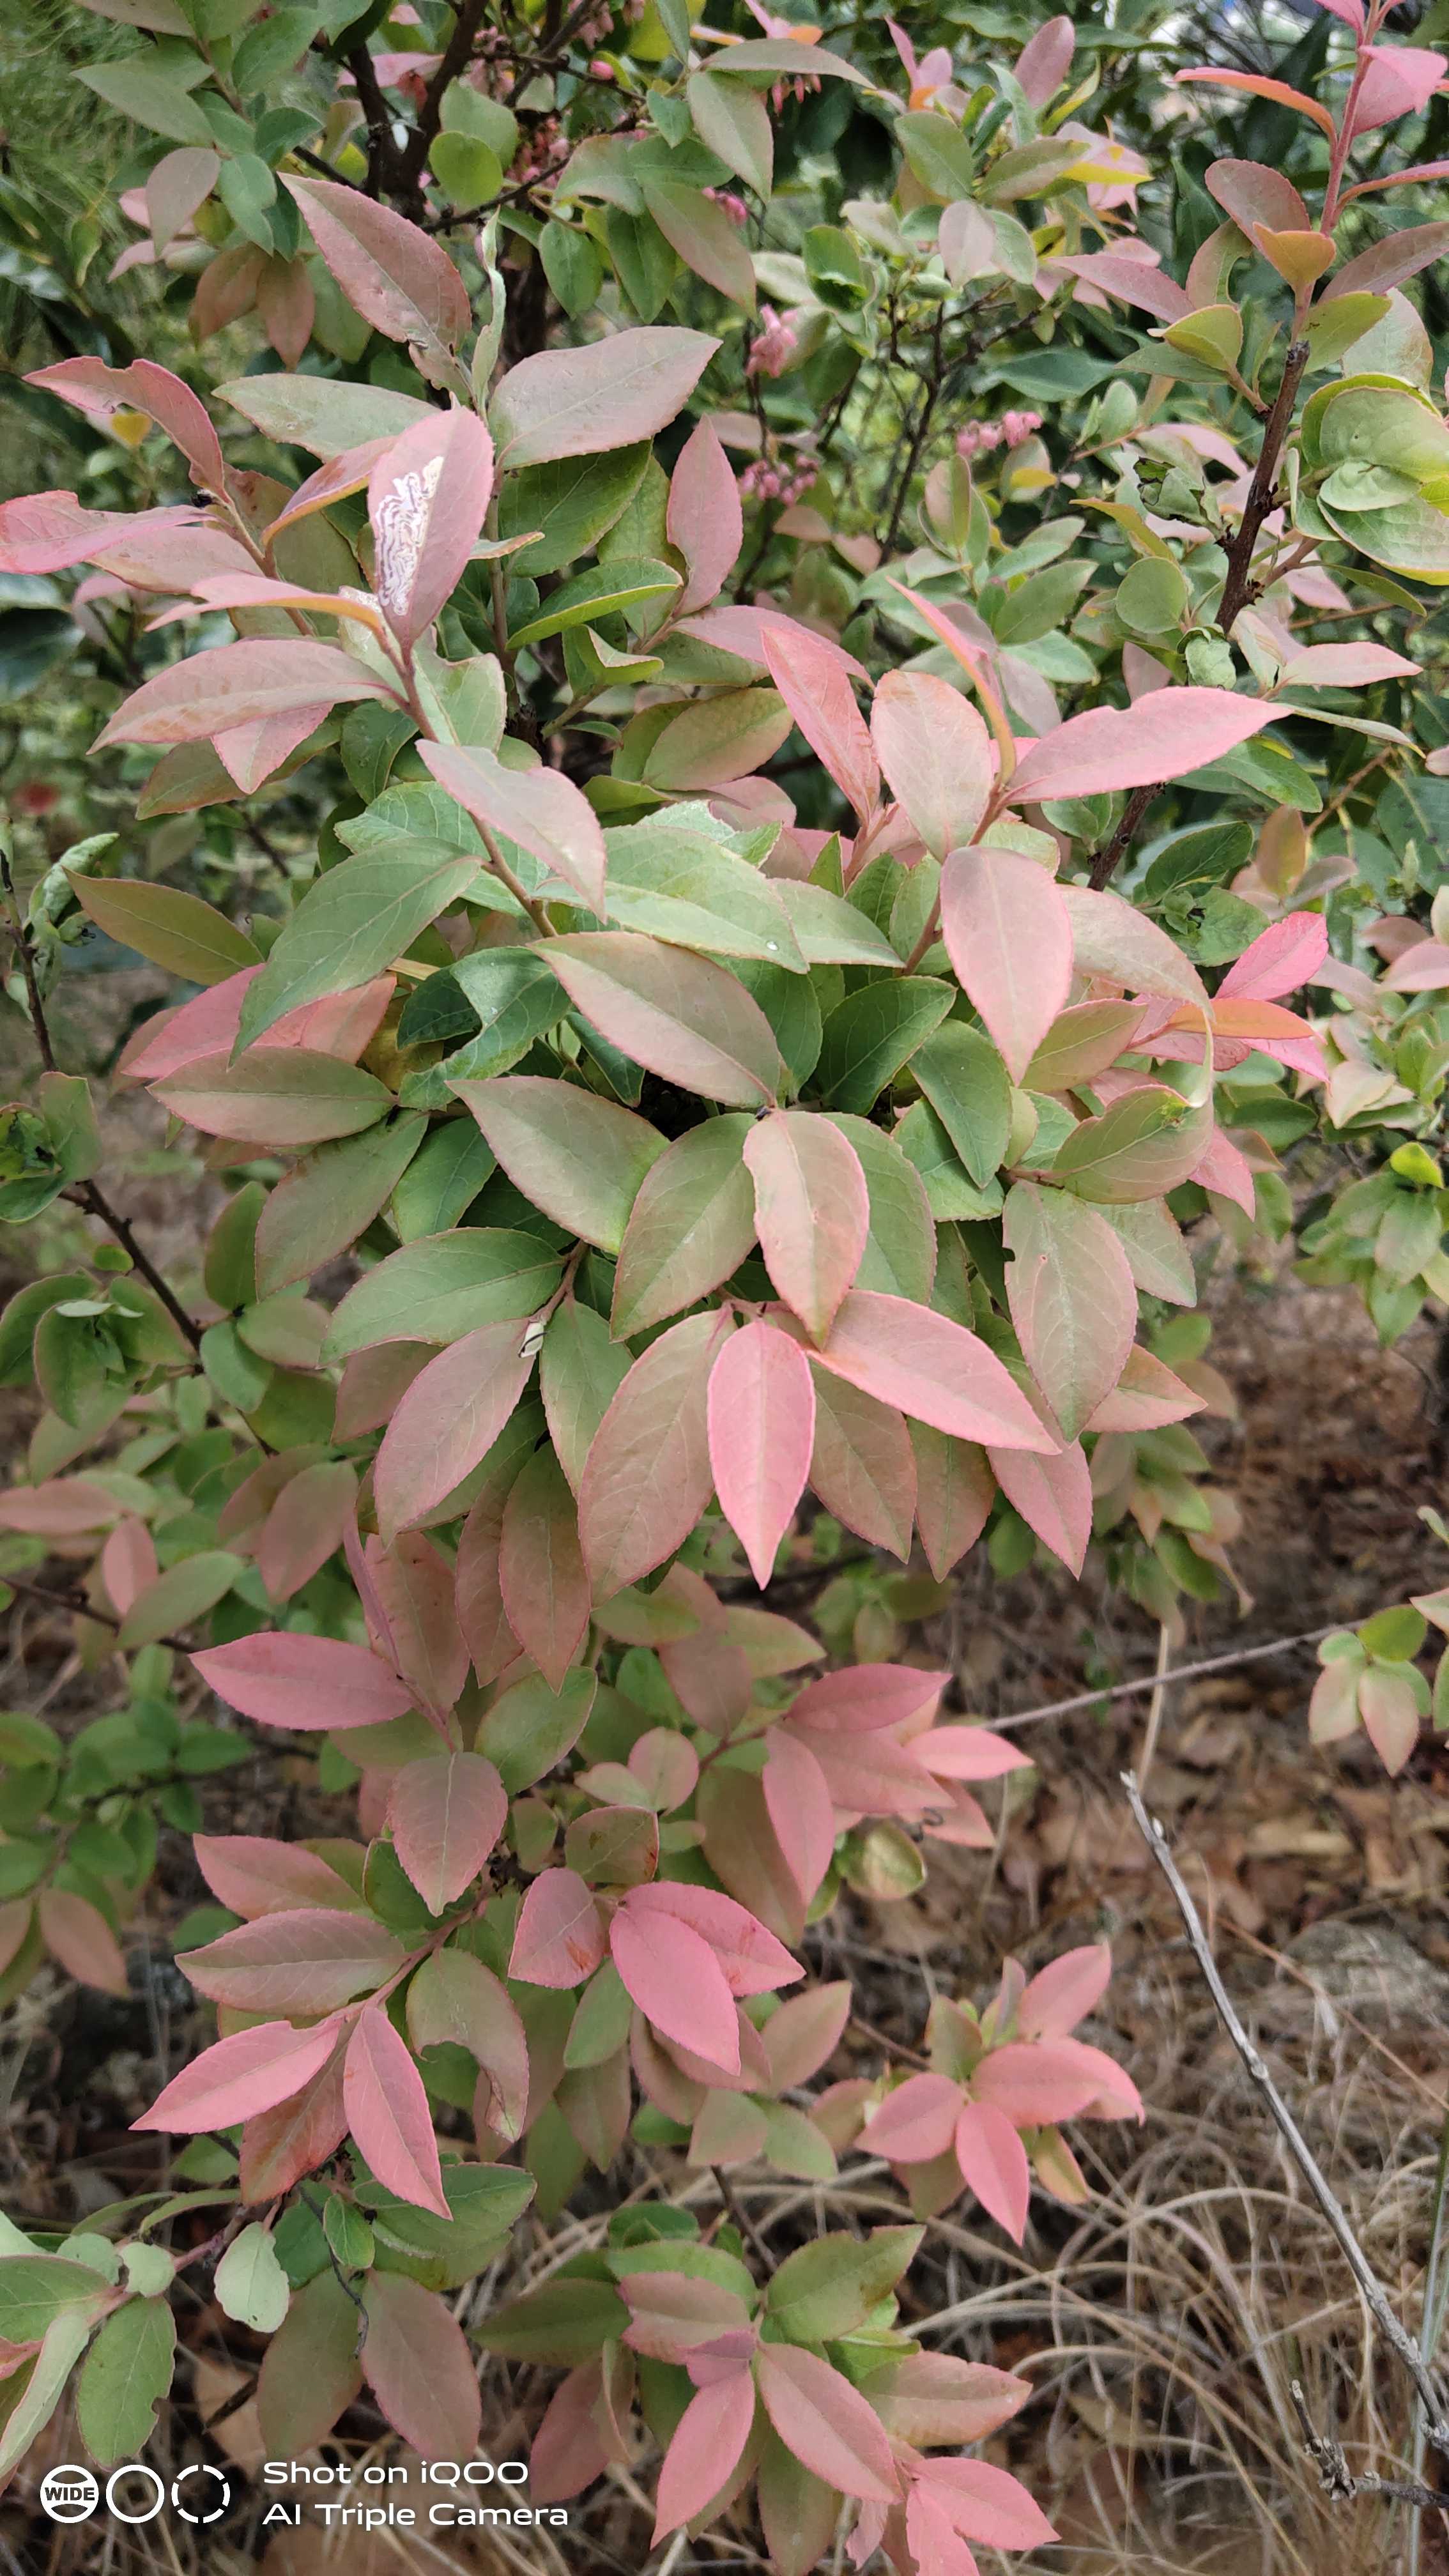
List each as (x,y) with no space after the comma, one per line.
(205,2503)
(69,2493)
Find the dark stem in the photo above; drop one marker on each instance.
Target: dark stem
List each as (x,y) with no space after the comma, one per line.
(1238,588)
(917,441)
(1337,2478)
(457,55)
(76,1607)
(741,2220)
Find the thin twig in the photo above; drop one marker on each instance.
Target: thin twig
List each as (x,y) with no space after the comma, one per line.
(740,2218)
(1162,1678)
(1391,2327)
(1338,2479)
(76,1607)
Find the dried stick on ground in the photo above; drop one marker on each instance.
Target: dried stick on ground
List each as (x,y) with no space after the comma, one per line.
(1394,2332)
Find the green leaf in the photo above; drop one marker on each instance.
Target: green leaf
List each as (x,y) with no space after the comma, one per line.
(180,1596)
(150,98)
(247,188)
(532,1727)
(734,123)
(443,1286)
(174,930)
(469,169)
(938,153)
(251,2285)
(567,2320)
(39,2386)
(517,999)
(572,501)
(615,586)
(969,1089)
(692,1225)
(873,1033)
(348,926)
(572,265)
(127,2373)
(581,1369)
(442,1180)
(320,414)
(37,2288)
(682,887)
(826,2289)
(329,1198)
(900,1251)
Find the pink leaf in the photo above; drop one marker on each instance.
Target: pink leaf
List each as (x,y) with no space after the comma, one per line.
(1132,281)
(1166,735)
(993,2165)
(761,1421)
(863,1697)
(238,684)
(240,2076)
(752,1961)
(49,531)
(101,391)
(540,809)
(1062,1993)
(704,519)
(812,1211)
(396,277)
(254,1875)
(560,1938)
(303,1959)
(819,697)
(128,1564)
(285,1679)
(936,753)
(1035,2084)
(678,1984)
(826,2424)
(1053,1496)
(800,1810)
(388,2113)
(1110,937)
(446,1813)
(408,1596)
(1260,87)
(680,1016)
(704,2450)
(1045,60)
(1282,957)
(989,2504)
(77,1934)
(915,2122)
(674,2314)
(448,1420)
(1346,666)
(908,1355)
(968,1753)
(1253,193)
(1009,937)
(1146,1396)
(427,498)
(1390,1713)
(1398,80)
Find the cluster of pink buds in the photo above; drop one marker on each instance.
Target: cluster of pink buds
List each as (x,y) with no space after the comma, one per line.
(764,481)
(539,153)
(772,351)
(735,207)
(980,437)
(593,29)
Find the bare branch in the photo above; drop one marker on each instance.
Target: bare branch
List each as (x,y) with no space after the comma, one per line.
(1391,2327)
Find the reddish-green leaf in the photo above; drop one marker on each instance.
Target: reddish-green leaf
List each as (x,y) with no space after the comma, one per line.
(240,2076)
(448,1420)
(817,691)
(826,2423)
(446,1814)
(647,1478)
(540,809)
(678,1015)
(310,2370)
(575,402)
(704,237)
(419,2367)
(541,1572)
(812,1211)
(704,518)
(1167,734)
(175,930)
(307,1959)
(241,684)
(399,279)
(862,1468)
(1069,1286)
(77,1934)
(580,1159)
(936,753)
(283,1096)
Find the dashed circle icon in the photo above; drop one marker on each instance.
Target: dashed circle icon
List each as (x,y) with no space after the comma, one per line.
(207,2504)
(69,2493)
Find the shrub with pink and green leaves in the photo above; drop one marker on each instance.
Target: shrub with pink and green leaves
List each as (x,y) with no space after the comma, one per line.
(847,784)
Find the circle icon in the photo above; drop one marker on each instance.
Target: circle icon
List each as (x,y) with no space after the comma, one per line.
(135,2469)
(69,2493)
(213,2504)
